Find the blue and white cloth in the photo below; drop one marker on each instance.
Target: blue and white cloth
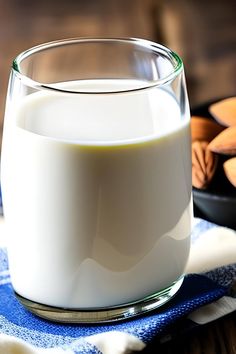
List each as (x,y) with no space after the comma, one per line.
(206,294)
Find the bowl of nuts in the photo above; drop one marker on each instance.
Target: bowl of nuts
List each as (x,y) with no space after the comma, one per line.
(213,127)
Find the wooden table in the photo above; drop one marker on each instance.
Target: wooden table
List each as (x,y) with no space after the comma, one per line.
(202,32)
(218,337)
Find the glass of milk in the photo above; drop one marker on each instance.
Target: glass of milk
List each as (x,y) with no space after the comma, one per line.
(96,178)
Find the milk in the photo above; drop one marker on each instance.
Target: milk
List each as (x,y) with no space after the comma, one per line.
(97,194)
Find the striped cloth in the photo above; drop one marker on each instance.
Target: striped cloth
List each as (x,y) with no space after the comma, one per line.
(206,294)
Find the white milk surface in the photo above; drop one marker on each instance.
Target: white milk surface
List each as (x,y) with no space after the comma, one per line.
(96,192)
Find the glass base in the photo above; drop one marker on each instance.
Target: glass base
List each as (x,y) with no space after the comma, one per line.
(99,315)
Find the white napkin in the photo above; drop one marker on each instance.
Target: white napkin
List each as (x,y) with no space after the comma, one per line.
(215,249)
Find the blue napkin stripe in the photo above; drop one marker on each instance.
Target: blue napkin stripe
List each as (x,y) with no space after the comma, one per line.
(197,290)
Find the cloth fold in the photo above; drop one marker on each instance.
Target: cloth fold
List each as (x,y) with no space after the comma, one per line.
(207,293)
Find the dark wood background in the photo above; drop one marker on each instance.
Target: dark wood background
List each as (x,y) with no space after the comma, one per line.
(203,33)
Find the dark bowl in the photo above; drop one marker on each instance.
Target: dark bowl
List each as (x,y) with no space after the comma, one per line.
(217,203)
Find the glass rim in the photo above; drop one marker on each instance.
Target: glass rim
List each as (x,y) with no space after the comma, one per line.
(174,58)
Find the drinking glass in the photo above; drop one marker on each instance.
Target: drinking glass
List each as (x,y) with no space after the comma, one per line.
(96,178)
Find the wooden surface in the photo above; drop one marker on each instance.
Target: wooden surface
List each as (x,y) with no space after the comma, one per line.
(218,337)
(202,32)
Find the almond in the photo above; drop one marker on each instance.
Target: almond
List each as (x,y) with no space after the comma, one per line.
(204,164)
(204,129)
(230,170)
(224,111)
(225,142)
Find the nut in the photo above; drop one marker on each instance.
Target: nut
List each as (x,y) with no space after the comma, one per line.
(204,164)
(225,142)
(230,170)
(224,111)
(204,129)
